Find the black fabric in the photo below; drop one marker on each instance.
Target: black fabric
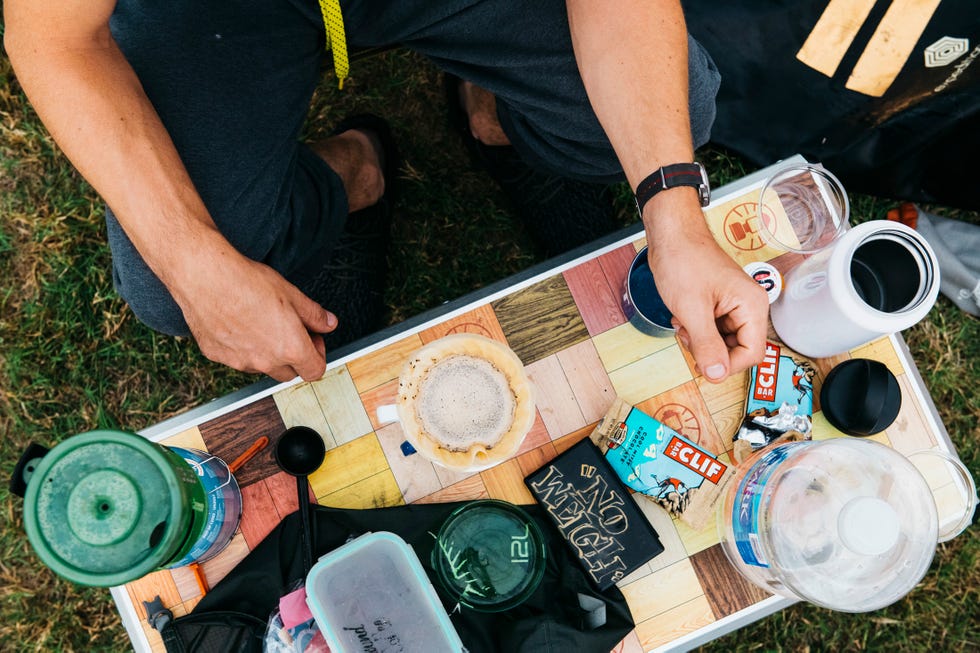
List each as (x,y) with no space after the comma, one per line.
(548,621)
(214,632)
(916,140)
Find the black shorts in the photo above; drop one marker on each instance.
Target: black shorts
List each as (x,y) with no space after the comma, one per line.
(232,82)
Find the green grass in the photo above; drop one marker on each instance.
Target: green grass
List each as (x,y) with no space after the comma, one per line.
(73,358)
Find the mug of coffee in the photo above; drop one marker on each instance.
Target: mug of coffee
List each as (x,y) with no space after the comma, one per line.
(465,402)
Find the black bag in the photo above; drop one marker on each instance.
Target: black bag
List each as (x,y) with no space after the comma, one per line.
(234,614)
(891,105)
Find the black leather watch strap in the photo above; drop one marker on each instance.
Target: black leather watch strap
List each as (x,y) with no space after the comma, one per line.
(678,174)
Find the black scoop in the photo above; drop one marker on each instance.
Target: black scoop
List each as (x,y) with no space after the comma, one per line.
(299,452)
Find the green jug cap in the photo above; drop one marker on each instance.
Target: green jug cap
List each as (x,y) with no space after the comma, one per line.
(107,507)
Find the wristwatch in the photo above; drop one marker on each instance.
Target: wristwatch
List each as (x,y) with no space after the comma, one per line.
(678,174)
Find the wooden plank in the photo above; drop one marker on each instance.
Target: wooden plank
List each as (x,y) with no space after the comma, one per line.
(727,423)
(616,264)
(379,367)
(587,379)
(259,513)
(725,588)
(348,464)
(153,637)
(481,321)
(414,474)
(506,482)
(730,392)
(698,540)
(736,227)
(910,431)
(650,376)
(554,398)
(468,489)
(221,565)
(158,583)
(541,319)
(881,349)
(341,406)
(382,395)
(624,345)
(449,477)
(189,439)
(535,459)
(630,644)
(565,443)
(660,591)
(186,582)
(676,622)
(230,435)
(299,406)
(596,301)
(282,489)
(536,437)
(377,491)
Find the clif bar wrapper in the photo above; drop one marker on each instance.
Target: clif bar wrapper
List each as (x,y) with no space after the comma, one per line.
(655,460)
(780,398)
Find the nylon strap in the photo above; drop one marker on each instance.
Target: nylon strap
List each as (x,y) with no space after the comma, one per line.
(333,23)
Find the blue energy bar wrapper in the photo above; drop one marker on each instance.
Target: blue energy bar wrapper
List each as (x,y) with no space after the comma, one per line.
(655,460)
(780,398)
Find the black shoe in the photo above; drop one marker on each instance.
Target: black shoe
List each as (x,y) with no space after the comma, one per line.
(559,213)
(352,278)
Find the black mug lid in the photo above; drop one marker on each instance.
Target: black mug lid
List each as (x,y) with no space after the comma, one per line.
(860,397)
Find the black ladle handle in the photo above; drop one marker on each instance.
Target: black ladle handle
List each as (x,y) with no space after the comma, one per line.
(303,494)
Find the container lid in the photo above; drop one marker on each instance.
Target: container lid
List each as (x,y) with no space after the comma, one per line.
(104,508)
(489,555)
(373,589)
(851,524)
(860,397)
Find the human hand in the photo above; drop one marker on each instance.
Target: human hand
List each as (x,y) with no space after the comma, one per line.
(245,315)
(720,313)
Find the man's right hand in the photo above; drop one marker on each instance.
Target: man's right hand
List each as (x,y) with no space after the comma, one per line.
(245,315)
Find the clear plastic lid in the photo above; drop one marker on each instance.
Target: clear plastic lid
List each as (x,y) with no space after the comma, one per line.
(373,594)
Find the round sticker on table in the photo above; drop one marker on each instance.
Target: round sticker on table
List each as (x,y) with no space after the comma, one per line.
(766,276)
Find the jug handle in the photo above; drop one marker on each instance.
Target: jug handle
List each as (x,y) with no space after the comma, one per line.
(25,468)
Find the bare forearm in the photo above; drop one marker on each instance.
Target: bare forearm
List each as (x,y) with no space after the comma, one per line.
(632,55)
(94,107)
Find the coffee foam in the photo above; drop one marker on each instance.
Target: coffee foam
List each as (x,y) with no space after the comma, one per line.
(463,400)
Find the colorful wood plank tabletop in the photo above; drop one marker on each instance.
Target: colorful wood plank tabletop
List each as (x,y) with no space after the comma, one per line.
(567,327)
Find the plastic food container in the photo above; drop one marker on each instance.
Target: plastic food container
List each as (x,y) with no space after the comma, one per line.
(372,594)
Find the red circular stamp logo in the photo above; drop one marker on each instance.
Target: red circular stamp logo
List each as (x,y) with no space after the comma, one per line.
(680,418)
(742,226)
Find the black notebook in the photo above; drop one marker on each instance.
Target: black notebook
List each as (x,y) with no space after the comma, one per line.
(595,513)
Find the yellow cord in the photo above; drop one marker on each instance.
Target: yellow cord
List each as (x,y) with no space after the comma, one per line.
(333,23)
